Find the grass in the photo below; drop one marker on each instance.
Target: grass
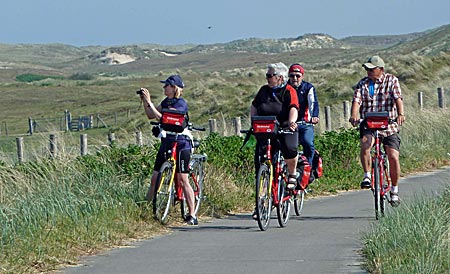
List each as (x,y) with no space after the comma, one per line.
(55,210)
(415,238)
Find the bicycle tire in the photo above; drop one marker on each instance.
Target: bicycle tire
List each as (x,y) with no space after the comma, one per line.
(386,184)
(164,194)
(298,202)
(283,207)
(263,197)
(196,176)
(376,188)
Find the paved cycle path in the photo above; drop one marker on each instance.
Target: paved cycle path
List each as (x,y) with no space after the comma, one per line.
(324,239)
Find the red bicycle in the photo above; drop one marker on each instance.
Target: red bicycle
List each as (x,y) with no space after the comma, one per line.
(168,191)
(380,181)
(272,176)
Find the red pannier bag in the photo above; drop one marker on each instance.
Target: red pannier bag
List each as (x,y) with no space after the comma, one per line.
(317,164)
(304,171)
(173,120)
(377,120)
(264,126)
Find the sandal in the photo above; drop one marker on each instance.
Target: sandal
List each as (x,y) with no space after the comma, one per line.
(292,182)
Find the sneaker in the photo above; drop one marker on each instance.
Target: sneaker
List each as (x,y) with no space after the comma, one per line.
(191,220)
(365,184)
(254,215)
(395,200)
(292,182)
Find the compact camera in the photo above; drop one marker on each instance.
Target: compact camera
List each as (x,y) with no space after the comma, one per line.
(139,92)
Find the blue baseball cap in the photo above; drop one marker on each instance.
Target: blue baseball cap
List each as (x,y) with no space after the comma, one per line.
(174,80)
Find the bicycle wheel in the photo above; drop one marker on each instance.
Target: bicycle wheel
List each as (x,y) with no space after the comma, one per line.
(384,169)
(298,202)
(283,207)
(164,194)
(263,197)
(196,176)
(376,188)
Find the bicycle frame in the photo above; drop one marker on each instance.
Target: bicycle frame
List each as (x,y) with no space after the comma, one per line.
(380,181)
(276,191)
(173,160)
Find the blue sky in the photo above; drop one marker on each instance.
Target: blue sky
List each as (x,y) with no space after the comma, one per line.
(114,22)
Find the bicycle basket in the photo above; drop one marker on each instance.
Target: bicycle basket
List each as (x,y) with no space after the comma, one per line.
(173,120)
(264,126)
(377,120)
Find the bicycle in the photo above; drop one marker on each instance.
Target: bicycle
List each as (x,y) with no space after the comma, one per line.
(272,176)
(381,180)
(302,181)
(167,189)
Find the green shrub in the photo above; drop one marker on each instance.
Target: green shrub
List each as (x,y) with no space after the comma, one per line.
(81,76)
(35,77)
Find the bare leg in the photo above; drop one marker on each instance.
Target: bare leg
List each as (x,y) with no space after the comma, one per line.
(292,165)
(183,179)
(394,164)
(366,159)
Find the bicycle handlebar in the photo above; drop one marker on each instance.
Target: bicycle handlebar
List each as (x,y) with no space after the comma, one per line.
(190,126)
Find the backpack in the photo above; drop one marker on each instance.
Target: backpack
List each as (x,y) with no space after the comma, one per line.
(317,167)
(303,171)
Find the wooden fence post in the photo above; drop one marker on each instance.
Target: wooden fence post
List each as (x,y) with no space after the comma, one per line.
(111,139)
(327,118)
(237,126)
(91,121)
(83,144)
(66,120)
(441,97)
(346,106)
(30,125)
(19,141)
(420,99)
(6,128)
(139,138)
(53,146)
(212,125)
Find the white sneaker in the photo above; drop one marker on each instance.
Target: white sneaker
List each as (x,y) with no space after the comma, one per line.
(395,200)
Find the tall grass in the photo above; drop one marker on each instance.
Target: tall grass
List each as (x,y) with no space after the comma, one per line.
(415,238)
(54,210)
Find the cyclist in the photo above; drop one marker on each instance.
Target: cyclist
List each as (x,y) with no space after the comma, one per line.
(379,91)
(308,111)
(173,90)
(278,98)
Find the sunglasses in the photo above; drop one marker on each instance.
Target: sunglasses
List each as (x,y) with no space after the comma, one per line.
(295,75)
(269,75)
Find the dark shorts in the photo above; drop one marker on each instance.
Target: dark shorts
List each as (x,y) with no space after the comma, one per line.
(392,141)
(184,154)
(286,143)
